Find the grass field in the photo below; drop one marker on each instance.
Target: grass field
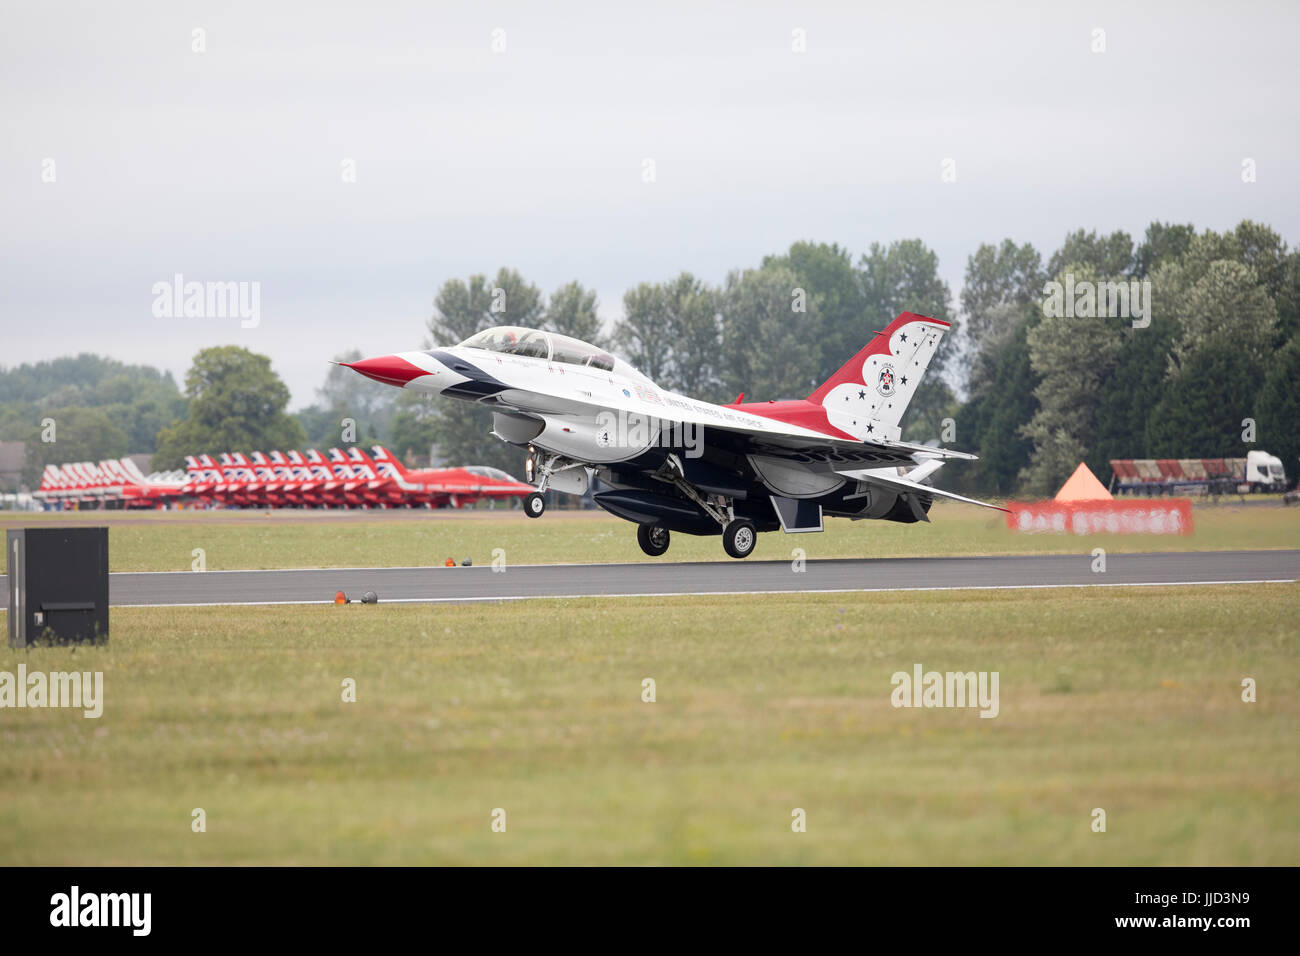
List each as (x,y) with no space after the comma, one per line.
(165,541)
(1123,699)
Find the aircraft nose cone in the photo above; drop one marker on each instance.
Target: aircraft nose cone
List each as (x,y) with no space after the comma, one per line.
(389,369)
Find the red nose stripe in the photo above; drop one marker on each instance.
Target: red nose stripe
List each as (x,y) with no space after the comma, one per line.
(389,369)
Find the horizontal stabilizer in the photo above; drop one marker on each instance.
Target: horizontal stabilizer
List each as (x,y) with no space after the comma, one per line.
(888,478)
(927,451)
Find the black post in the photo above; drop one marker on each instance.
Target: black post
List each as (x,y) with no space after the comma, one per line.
(58,586)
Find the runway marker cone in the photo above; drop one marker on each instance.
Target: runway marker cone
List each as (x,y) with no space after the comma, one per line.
(340,597)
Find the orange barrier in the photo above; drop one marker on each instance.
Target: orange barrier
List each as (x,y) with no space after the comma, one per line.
(1121,516)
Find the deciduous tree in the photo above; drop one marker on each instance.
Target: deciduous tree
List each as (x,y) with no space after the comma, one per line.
(236,403)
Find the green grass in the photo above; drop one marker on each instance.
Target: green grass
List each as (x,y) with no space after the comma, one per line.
(166,541)
(1124,699)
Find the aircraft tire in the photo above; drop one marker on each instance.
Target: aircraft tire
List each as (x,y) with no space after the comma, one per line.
(653,538)
(739,538)
(534,505)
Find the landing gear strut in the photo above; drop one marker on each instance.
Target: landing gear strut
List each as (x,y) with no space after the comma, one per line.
(738,534)
(653,539)
(535,504)
(543,467)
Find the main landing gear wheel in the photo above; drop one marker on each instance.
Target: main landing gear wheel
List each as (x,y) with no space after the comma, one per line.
(653,539)
(534,505)
(739,538)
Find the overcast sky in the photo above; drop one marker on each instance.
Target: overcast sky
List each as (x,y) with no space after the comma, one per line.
(227,165)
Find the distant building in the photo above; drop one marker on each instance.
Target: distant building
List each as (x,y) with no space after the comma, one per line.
(13,456)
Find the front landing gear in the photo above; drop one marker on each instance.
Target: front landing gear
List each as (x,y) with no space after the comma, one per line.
(739,538)
(653,539)
(539,470)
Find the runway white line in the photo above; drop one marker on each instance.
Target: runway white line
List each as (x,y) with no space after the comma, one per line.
(659,594)
(760,561)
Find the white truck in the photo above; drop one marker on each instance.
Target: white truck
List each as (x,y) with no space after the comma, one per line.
(1264,472)
(1257,472)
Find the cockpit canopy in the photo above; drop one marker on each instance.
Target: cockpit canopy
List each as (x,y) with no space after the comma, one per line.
(534,343)
(484,471)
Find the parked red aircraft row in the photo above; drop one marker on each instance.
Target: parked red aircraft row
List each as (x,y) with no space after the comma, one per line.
(87,483)
(350,479)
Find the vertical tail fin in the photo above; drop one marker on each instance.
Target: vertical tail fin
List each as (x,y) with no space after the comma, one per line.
(383,456)
(131,469)
(867,397)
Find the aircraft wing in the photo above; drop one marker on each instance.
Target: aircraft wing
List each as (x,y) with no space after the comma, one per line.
(747,433)
(805,445)
(559,391)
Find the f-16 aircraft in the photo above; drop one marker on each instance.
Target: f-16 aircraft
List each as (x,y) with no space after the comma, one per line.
(592,422)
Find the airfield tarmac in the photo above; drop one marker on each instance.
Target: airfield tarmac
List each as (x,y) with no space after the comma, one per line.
(483,583)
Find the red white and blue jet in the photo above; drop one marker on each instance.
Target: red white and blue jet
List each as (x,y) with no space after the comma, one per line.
(667,462)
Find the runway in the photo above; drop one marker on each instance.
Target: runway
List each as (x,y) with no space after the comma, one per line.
(442,584)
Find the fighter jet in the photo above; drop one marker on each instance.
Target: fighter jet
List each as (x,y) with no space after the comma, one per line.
(667,462)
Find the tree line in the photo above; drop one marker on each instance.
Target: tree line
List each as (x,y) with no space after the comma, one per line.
(99,407)
(1210,370)
(1207,367)
(1213,374)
